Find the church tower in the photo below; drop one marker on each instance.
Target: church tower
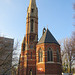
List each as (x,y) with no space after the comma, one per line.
(31,25)
(28,50)
(31,37)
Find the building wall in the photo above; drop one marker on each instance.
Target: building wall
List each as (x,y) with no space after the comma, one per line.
(6,48)
(40,66)
(45,67)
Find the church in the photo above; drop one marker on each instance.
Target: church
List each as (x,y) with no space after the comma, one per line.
(41,57)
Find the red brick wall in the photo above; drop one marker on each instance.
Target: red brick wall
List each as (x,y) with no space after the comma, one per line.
(46,67)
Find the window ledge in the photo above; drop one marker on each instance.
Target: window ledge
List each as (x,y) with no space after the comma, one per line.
(58,63)
(54,62)
(50,62)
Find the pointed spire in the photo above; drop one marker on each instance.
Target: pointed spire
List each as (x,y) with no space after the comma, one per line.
(32,9)
(32,3)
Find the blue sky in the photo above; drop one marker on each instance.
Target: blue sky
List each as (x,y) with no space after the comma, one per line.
(57,14)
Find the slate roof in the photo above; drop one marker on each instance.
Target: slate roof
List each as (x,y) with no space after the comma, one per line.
(47,37)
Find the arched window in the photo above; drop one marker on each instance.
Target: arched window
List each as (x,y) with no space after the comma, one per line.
(58,55)
(30,73)
(32,21)
(40,53)
(50,54)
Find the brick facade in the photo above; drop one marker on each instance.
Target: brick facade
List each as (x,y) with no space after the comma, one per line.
(46,67)
(29,59)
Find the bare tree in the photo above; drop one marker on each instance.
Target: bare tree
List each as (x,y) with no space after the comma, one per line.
(73,48)
(6,53)
(68,52)
(15,58)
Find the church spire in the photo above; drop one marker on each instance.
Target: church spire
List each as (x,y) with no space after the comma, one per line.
(32,18)
(32,9)
(32,3)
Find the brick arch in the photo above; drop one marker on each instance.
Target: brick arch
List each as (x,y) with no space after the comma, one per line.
(50,48)
(40,48)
